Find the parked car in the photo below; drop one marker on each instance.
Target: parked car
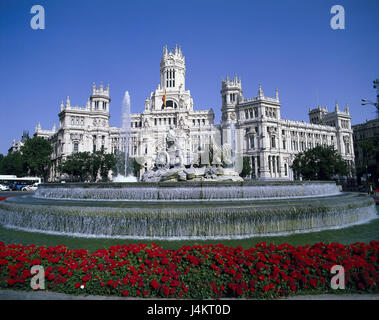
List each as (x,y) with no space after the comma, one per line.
(33,187)
(13,187)
(4,187)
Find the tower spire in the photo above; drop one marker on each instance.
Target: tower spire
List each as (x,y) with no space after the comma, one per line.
(260,92)
(337,107)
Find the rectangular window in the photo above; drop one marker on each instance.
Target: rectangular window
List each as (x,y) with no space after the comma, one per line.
(273,145)
(252,144)
(76,147)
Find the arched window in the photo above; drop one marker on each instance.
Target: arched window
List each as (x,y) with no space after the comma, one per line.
(171,104)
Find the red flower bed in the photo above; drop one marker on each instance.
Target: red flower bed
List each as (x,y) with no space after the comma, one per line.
(209,271)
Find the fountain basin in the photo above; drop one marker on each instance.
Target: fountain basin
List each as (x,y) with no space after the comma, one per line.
(214,215)
(187,191)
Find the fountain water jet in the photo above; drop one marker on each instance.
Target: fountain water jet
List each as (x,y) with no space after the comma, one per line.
(126,127)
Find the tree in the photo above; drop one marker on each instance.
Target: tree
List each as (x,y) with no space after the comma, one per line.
(13,163)
(82,166)
(319,163)
(102,163)
(1,163)
(36,154)
(78,166)
(246,167)
(370,157)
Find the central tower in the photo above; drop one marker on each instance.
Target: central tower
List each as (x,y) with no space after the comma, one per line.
(173,70)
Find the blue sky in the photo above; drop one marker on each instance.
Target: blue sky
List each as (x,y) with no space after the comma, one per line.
(285,44)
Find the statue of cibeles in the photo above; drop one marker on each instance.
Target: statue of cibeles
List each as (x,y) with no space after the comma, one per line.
(171,138)
(195,159)
(216,153)
(174,149)
(227,154)
(162,160)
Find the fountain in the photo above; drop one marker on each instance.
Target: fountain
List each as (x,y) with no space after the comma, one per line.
(186,210)
(125,116)
(177,200)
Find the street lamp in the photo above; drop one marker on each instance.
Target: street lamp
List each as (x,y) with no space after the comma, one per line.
(365,101)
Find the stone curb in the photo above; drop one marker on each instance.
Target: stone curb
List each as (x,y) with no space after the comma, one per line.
(43,295)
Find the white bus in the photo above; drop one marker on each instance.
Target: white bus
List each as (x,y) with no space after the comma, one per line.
(19,183)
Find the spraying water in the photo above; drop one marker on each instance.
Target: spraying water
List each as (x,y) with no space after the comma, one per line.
(126,122)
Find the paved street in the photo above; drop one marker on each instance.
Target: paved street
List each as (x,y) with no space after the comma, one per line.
(40,295)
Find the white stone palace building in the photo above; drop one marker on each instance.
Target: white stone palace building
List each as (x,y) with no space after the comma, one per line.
(270,142)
